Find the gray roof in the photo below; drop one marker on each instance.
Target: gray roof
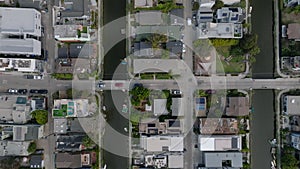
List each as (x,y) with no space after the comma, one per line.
(38,103)
(81,50)
(176,107)
(175,47)
(143,3)
(149,18)
(13,148)
(66,160)
(216,159)
(36,161)
(63,52)
(20,20)
(75,8)
(160,107)
(12,112)
(143,49)
(60,125)
(237,106)
(292,105)
(177,17)
(230,14)
(69,142)
(25,133)
(175,161)
(20,46)
(36,4)
(204,15)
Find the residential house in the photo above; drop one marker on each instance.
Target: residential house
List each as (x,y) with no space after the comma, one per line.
(176,16)
(160,107)
(162,143)
(143,49)
(177,107)
(152,126)
(21,65)
(175,161)
(237,106)
(220,142)
(14,109)
(71,33)
(157,161)
(218,126)
(204,15)
(143,3)
(175,48)
(149,18)
(36,4)
(27,132)
(67,160)
(295,123)
(291,3)
(21,22)
(78,9)
(230,15)
(14,148)
(72,108)
(36,161)
(291,63)
(200,106)
(293,31)
(232,160)
(70,143)
(295,140)
(38,103)
(60,126)
(291,105)
(220,30)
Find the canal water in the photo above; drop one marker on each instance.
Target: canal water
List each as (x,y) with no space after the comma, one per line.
(115,145)
(263,115)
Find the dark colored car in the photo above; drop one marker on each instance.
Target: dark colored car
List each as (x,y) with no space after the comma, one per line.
(22,91)
(28,76)
(43,91)
(33,91)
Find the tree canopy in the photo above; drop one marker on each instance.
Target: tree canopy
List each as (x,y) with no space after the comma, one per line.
(41,116)
(32,147)
(139,93)
(218,4)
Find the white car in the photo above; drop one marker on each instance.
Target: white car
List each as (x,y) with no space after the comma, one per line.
(183,48)
(12,90)
(39,77)
(189,21)
(176,92)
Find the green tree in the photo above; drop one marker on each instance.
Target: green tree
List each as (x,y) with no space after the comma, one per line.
(156,39)
(288,159)
(31,148)
(236,51)
(218,4)
(248,42)
(139,93)
(41,116)
(195,6)
(87,141)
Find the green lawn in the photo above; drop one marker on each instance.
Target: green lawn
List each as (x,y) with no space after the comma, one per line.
(230,67)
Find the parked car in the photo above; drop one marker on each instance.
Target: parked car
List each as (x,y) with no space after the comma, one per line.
(43,91)
(28,76)
(22,91)
(12,90)
(189,21)
(176,92)
(33,91)
(101,84)
(39,77)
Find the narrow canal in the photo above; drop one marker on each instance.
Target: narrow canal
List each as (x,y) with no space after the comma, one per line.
(115,145)
(263,115)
